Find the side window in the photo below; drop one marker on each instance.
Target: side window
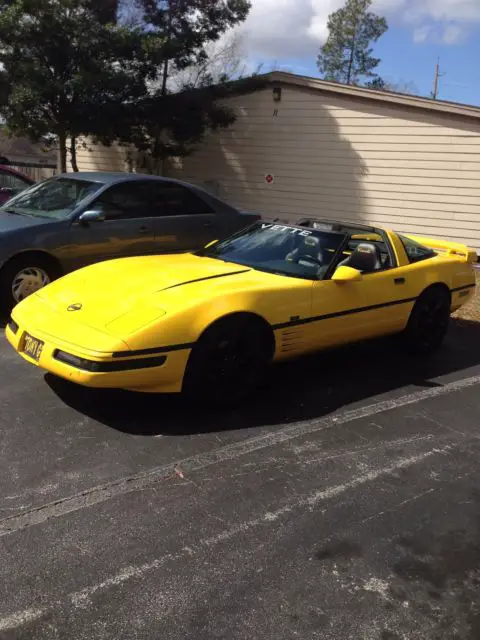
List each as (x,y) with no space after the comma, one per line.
(125,201)
(170,199)
(416,251)
(12,182)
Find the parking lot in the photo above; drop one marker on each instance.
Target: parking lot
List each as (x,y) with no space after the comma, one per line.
(343,502)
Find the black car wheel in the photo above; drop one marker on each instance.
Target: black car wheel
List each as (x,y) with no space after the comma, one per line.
(429,320)
(228,361)
(22,276)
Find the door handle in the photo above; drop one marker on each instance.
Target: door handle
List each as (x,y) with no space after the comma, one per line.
(399,281)
(208,224)
(143,230)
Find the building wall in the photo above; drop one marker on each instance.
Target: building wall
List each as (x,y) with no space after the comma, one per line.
(21,150)
(343,157)
(36,173)
(94,157)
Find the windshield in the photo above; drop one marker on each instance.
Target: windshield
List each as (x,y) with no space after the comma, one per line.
(54,198)
(280,249)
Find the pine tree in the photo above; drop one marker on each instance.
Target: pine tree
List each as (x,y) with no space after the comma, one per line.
(346,56)
(69,70)
(66,73)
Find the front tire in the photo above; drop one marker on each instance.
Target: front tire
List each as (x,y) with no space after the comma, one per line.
(22,276)
(228,362)
(429,321)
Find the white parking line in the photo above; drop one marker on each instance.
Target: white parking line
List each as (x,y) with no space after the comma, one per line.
(21,618)
(140,481)
(83,598)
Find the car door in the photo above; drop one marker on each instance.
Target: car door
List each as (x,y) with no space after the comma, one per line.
(391,291)
(355,310)
(127,230)
(378,304)
(336,315)
(183,221)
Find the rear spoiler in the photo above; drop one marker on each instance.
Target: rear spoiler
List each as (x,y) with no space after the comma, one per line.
(450,248)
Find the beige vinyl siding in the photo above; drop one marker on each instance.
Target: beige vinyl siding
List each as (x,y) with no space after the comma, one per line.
(342,157)
(407,169)
(94,157)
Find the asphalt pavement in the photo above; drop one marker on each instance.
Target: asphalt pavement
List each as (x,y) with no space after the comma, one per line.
(342,503)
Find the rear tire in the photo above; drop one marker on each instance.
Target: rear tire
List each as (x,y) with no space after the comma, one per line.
(228,362)
(22,276)
(429,321)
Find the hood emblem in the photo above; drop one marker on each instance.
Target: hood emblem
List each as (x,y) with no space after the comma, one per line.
(75,307)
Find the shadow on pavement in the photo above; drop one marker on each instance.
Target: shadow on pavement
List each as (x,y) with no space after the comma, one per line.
(308,388)
(439,575)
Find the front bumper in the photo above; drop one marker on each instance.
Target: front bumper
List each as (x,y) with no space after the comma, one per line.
(159,372)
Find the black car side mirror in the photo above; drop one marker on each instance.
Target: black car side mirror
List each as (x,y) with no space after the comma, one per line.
(94,215)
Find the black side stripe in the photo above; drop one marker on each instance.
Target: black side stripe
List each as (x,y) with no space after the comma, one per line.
(348,312)
(282,325)
(154,350)
(219,275)
(338,314)
(465,286)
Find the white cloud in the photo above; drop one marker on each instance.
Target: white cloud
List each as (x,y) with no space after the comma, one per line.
(453,34)
(421,34)
(461,10)
(287,28)
(279,29)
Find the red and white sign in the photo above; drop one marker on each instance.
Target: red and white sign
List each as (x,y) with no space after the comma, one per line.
(269,178)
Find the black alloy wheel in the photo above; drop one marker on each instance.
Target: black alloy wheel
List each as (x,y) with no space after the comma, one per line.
(228,361)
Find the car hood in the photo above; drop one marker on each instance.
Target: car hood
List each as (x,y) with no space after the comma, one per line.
(13,222)
(100,295)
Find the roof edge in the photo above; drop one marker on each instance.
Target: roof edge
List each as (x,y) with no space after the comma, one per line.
(399,99)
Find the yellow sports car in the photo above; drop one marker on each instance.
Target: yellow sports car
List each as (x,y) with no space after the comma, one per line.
(209,322)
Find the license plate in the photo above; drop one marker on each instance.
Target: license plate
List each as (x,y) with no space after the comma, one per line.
(32,347)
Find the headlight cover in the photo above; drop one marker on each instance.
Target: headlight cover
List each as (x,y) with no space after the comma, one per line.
(134,320)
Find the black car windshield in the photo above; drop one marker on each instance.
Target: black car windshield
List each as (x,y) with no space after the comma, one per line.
(281,249)
(54,198)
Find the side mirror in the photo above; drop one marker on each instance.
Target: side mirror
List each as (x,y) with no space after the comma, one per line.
(210,244)
(94,215)
(347,274)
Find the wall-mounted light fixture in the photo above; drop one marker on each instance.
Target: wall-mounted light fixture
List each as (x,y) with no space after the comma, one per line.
(277,94)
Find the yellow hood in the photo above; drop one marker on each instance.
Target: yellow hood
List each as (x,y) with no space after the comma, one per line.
(101,294)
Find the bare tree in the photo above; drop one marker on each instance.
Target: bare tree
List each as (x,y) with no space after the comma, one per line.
(226,60)
(402,86)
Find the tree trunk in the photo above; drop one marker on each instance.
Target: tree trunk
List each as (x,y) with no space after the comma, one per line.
(350,61)
(350,65)
(165,77)
(167,49)
(62,145)
(73,153)
(161,164)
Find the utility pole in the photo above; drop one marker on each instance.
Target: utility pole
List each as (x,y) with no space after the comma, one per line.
(435,81)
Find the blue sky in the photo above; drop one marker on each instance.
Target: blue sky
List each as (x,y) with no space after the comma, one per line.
(287,34)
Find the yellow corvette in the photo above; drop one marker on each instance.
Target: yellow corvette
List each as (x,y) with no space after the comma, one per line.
(208,323)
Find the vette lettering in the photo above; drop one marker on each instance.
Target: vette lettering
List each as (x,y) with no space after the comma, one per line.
(292,230)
